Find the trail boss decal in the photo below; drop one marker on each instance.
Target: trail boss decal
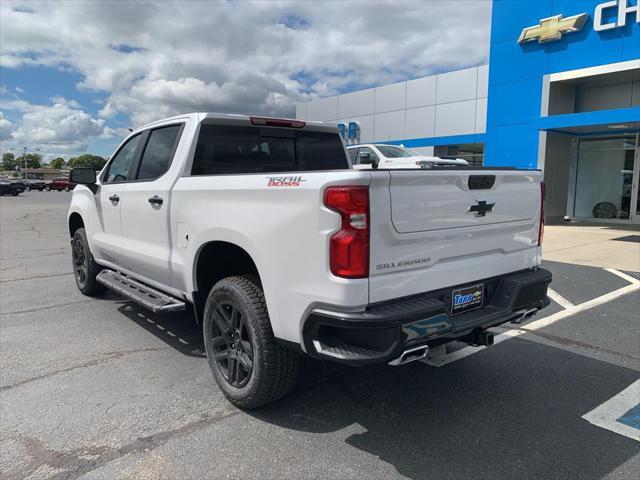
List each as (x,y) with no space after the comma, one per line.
(285,181)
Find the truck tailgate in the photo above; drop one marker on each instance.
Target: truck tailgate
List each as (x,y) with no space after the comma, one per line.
(441,201)
(435,228)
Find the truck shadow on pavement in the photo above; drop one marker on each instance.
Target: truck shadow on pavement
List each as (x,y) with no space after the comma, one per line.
(512,411)
(509,412)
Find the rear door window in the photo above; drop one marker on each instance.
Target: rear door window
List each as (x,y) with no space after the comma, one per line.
(225,149)
(159,151)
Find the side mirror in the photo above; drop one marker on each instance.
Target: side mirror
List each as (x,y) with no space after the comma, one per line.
(83,175)
(366,159)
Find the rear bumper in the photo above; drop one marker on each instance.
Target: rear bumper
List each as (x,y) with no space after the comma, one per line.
(383,331)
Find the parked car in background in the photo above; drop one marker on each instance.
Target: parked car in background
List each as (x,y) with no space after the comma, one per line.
(60,184)
(32,184)
(11,187)
(366,156)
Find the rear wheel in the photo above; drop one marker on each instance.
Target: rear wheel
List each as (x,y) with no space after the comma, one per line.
(66,189)
(251,368)
(47,188)
(85,269)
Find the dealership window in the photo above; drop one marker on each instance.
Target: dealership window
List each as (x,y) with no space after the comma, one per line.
(604,177)
(593,93)
(471,152)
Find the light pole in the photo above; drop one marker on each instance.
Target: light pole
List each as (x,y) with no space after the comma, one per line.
(24,158)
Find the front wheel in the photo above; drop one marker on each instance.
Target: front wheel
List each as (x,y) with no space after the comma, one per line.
(47,188)
(251,368)
(66,189)
(85,269)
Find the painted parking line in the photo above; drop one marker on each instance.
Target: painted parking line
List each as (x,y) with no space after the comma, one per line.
(569,310)
(559,299)
(620,414)
(623,275)
(607,297)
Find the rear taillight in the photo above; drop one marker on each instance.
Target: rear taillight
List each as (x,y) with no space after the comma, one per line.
(541,230)
(349,246)
(277,122)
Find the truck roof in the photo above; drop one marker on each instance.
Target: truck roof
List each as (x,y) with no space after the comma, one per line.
(235,118)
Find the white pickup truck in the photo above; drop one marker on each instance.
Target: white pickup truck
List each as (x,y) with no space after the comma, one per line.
(370,155)
(263,229)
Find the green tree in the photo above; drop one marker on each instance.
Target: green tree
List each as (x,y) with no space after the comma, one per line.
(8,161)
(57,163)
(30,160)
(87,160)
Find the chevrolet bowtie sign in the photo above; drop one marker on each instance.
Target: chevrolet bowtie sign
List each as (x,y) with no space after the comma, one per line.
(554,28)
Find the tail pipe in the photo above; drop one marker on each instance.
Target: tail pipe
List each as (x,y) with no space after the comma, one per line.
(524,315)
(411,355)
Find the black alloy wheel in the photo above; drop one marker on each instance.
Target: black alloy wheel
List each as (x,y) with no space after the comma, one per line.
(80,262)
(85,268)
(248,363)
(231,341)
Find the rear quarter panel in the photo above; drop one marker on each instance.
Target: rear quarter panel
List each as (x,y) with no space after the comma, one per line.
(285,230)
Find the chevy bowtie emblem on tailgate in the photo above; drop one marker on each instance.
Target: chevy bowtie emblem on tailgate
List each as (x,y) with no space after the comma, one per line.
(481,208)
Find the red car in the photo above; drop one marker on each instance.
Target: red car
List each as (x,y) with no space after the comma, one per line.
(60,184)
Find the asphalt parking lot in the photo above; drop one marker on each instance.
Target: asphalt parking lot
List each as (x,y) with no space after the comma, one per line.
(101,389)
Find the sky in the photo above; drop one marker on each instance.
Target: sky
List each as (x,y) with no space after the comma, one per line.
(74,76)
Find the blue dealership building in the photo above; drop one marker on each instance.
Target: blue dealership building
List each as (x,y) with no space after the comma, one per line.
(561,93)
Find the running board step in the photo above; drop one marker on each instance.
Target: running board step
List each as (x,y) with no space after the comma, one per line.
(142,294)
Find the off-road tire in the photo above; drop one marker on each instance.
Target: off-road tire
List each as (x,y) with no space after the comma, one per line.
(274,366)
(86,281)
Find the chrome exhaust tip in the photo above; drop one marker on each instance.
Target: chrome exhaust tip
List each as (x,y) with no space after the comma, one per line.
(410,355)
(526,314)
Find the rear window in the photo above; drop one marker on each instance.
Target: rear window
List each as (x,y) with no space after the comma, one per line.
(228,149)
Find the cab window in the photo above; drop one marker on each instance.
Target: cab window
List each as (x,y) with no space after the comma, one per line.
(353,155)
(372,154)
(119,168)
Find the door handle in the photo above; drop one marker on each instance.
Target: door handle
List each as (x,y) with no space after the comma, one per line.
(155,200)
(114,198)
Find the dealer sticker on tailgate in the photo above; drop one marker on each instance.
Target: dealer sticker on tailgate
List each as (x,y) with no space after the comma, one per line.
(468,298)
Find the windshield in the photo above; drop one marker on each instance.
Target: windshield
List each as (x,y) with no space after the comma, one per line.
(391,151)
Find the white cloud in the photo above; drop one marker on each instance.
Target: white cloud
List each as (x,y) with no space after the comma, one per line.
(6,127)
(63,125)
(155,59)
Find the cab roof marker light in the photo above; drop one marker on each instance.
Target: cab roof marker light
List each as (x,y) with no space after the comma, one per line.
(277,122)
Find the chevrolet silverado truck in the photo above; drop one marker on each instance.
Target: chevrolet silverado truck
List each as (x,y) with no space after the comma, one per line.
(378,155)
(264,230)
